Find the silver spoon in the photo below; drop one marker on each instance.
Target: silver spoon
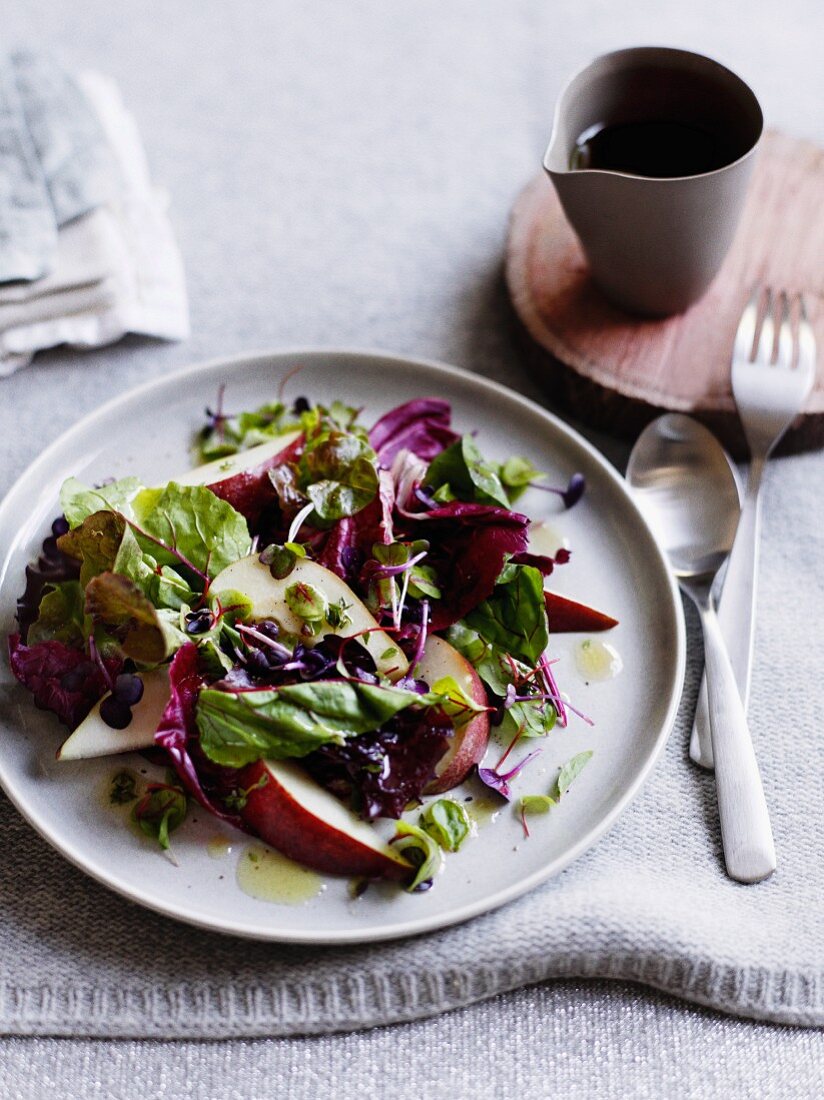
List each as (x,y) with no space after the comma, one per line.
(684,483)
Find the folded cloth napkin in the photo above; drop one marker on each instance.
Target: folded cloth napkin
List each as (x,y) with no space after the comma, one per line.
(649,903)
(80,221)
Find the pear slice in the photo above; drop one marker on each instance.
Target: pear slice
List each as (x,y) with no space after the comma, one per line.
(468,743)
(289,810)
(268,597)
(93,737)
(222,469)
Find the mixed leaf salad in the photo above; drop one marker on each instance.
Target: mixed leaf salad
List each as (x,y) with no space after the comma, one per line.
(315,628)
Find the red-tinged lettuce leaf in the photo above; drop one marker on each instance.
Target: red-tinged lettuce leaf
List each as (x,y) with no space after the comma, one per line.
(251,492)
(380,773)
(178,735)
(62,679)
(349,543)
(116,603)
(94,543)
(420,426)
(469,544)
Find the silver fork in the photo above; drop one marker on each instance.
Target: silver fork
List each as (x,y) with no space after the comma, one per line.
(771,379)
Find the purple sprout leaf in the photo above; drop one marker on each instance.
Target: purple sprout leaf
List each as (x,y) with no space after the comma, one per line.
(500,782)
(573,492)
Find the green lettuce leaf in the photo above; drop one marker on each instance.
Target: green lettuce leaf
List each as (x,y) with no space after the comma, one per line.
(537,803)
(448,695)
(161,810)
(516,474)
(338,472)
(462,468)
(571,770)
(447,822)
(230,434)
(79,501)
(421,850)
(514,617)
(499,669)
(191,520)
(161,583)
(237,728)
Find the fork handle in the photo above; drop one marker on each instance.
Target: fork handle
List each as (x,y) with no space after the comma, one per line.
(736,612)
(749,850)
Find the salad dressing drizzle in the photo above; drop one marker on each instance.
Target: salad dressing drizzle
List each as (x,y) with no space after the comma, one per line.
(267,875)
(483,811)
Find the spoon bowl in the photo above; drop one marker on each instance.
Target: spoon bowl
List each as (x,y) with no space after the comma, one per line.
(685,485)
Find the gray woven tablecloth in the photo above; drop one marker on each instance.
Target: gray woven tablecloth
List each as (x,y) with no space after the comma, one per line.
(341,175)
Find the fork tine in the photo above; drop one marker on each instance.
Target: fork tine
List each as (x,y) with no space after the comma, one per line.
(766,338)
(745,334)
(806,340)
(784,352)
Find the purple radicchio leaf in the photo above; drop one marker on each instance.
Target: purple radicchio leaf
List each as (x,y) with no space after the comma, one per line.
(469,544)
(349,542)
(62,679)
(178,735)
(420,426)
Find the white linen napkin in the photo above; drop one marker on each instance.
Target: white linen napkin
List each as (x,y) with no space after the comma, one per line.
(116,268)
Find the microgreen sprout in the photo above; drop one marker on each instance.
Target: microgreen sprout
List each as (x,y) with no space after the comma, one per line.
(571,495)
(500,783)
(298,521)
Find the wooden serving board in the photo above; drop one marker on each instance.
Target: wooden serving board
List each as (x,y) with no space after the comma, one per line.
(616,371)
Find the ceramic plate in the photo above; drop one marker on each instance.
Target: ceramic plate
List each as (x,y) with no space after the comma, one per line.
(615,565)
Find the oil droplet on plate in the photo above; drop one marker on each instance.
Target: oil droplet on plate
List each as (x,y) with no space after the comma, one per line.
(219,847)
(267,875)
(483,811)
(598,660)
(544,539)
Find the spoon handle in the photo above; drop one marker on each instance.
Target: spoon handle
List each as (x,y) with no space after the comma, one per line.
(749,851)
(736,612)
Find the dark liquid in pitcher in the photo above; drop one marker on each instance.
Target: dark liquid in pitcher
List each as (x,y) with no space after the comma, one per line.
(660,149)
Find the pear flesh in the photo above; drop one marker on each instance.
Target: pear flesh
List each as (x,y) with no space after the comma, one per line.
(269,600)
(93,737)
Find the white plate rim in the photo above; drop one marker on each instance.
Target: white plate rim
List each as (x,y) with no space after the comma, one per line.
(433,922)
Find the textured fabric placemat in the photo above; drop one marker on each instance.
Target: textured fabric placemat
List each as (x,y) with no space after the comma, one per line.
(649,903)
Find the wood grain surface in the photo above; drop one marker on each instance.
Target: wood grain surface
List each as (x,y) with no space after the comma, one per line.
(616,371)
